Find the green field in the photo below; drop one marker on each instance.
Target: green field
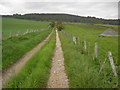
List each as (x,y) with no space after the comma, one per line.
(36,72)
(82,70)
(13,26)
(91,34)
(109,26)
(81,67)
(15,47)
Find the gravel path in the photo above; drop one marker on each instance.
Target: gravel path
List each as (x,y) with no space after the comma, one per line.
(14,69)
(58,77)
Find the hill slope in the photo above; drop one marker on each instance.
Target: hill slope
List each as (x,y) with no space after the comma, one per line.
(64,17)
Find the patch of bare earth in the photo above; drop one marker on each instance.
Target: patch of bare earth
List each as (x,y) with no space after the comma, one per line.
(15,68)
(58,77)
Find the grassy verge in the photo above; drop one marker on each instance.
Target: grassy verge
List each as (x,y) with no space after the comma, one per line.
(82,70)
(35,73)
(14,48)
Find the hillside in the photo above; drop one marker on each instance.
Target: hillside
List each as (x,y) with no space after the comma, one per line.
(64,17)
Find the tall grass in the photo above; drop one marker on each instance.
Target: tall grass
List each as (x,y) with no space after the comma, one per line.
(14,48)
(91,34)
(35,73)
(82,70)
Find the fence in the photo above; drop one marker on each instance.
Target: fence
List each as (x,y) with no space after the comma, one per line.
(28,31)
(86,49)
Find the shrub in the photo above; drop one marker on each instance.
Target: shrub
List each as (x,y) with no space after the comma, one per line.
(59,26)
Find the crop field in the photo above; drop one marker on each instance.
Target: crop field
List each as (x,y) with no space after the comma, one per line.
(14,26)
(15,47)
(82,70)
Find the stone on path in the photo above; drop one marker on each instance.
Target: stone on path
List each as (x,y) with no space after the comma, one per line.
(58,77)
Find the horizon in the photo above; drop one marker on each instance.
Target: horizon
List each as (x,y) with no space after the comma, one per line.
(65,14)
(105,10)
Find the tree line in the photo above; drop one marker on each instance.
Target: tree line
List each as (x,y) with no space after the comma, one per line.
(64,18)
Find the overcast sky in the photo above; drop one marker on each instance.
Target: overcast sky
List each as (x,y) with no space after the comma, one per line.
(99,8)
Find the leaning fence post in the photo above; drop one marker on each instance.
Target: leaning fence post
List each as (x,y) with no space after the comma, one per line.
(96,50)
(85,46)
(112,63)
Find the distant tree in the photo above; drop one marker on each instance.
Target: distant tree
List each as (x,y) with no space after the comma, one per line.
(59,26)
(52,24)
(17,15)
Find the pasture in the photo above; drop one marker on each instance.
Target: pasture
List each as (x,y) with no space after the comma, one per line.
(13,26)
(81,68)
(115,27)
(91,33)
(17,46)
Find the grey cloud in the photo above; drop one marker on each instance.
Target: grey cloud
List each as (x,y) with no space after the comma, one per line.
(61,0)
(97,9)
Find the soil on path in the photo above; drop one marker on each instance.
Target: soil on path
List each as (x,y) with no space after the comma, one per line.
(15,68)
(58,77)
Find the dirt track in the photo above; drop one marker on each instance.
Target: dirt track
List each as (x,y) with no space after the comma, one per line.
(14,69)
(58,77)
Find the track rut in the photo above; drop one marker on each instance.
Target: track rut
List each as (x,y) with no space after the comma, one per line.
(16,67)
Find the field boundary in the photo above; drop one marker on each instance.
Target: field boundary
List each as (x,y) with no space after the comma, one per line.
(85,50)
(15,67)
(28,31)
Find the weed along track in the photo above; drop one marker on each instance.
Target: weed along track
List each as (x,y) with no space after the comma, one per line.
(58,77)
(72,55)
(16,67)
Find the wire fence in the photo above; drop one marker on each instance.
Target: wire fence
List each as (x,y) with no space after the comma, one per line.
(28,31)
(94,51)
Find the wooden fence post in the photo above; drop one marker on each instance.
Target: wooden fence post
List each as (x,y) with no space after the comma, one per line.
(17,35)
(10,35)
(85,46)
(78,40)
(112,63)
(88,49)
(27,31)
(96,50)
(74,39)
